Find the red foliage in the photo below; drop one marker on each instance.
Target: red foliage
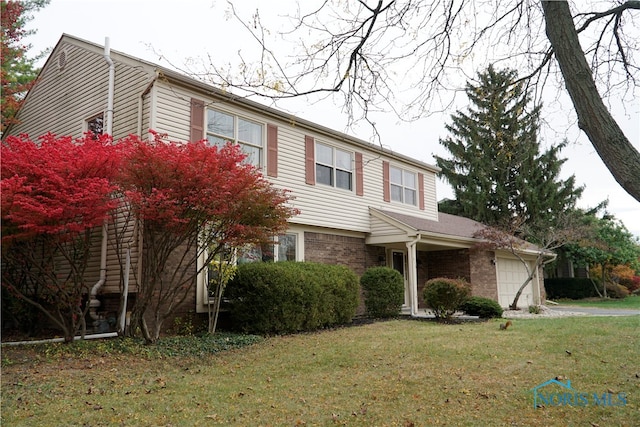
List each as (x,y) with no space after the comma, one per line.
(57,185)
(174,187)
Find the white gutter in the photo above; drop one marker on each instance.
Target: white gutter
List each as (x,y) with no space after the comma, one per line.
(93,301)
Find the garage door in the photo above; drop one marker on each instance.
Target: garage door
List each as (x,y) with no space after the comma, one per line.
(511,275)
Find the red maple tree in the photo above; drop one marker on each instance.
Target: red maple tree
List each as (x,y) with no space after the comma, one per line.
(193,201)
(55,192)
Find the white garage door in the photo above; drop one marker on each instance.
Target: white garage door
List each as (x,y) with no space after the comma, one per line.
(511,275)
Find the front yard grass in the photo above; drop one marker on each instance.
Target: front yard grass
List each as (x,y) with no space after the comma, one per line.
(392,373)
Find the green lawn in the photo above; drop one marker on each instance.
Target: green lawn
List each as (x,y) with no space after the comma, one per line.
(395,373)
(630,302)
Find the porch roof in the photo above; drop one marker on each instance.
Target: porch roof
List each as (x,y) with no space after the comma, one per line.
(449,230)
(447,224)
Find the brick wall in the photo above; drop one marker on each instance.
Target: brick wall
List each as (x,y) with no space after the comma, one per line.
(343,250)
(484,281)
(334,249)
(453,264)
(473,266)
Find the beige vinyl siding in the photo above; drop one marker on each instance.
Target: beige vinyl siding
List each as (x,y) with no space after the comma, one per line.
(172,111)
(61,102)
(383,228)
(65,98)
(320,205)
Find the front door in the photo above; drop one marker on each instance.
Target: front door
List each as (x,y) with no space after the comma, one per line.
(399,262)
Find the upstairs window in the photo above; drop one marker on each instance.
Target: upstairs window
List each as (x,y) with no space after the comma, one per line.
(403,186)
(223,127)
(334,167)
(95,125)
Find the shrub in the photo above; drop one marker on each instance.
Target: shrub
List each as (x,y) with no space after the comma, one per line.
(631,283)
(615,290)
(444,296)
(285,297)
(383,291)
(485,308)
(534,309)
(572,288)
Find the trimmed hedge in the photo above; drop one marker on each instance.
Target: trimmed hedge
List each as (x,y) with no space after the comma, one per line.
(444,296)
(383,292)
(286,297)
(485,308)
(572,288)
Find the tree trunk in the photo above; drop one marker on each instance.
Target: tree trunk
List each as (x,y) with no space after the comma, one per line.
(613,147)
(514,304)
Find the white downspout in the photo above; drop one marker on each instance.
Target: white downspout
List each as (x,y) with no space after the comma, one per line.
(93,301)
(413,274)
(111,88)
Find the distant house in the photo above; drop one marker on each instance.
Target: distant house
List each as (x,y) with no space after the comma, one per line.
(360,205)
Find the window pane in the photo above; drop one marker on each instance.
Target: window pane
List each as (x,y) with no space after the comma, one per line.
(395,175)
(249,132)
(343,160)
(409,179)
(215,140)
(396,193)
(410,196)
(324,174)
(324,154)
(220,123)
(343,179)
(95,125)
(248,254)
(253,154)
(287,247)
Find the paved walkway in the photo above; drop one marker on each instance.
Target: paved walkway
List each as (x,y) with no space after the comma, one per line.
(596,311)
(569,310)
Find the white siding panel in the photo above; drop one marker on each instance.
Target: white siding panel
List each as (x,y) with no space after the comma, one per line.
(319,205)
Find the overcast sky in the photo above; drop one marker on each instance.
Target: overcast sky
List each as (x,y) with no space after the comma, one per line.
(196,28)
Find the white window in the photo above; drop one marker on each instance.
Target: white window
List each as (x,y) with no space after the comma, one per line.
(285,249)
(403,186)
(334,167)
(223,127)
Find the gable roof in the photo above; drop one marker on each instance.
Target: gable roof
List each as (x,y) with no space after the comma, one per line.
(447,224)
(175,77)
(453,227)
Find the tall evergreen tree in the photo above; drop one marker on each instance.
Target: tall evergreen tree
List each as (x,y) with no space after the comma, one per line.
(497,171)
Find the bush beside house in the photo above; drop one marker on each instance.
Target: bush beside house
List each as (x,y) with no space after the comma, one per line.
(444,296)
(485,308)
(383,292)
(286,297)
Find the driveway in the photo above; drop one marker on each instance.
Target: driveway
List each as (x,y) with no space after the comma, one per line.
(594,311)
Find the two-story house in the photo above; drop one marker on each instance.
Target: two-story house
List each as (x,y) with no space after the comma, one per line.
(360,205)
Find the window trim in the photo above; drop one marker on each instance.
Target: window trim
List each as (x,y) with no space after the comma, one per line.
(334,168)
(236,123)
(404,187)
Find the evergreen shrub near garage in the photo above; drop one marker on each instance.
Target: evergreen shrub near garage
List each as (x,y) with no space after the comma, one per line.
(444,296)
(286,297)
(383,292)
(572,288)
(485,308)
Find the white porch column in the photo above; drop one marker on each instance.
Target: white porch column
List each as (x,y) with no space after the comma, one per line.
(412,274)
